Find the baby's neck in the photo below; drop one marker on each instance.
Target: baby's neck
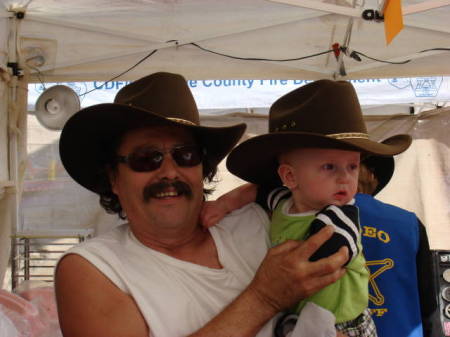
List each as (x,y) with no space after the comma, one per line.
(299,207)
(294,209)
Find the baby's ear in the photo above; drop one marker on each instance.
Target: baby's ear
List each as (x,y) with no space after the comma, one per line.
(287,176)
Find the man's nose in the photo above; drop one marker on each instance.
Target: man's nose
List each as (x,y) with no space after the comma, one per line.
(168,168)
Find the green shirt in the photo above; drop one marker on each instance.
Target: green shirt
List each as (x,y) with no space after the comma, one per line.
(347,297)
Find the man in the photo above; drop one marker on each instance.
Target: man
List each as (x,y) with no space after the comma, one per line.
(161,274)
(396,248)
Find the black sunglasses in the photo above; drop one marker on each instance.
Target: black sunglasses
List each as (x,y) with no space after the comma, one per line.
(149,158)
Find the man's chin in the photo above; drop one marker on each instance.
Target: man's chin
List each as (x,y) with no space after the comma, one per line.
(172,219)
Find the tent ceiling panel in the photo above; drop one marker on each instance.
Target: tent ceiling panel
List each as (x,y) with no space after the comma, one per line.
(184,62)
(97,41)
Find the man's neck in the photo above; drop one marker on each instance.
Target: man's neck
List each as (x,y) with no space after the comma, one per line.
(194,245)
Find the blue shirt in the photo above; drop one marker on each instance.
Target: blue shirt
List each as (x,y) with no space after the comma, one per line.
(390,238)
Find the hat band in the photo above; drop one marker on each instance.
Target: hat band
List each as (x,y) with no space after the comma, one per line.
(180,120)
(346,135)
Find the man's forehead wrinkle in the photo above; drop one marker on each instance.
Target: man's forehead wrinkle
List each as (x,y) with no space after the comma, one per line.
(157,147)
(157,137)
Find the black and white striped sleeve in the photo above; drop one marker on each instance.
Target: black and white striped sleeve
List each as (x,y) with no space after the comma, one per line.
(269,197)
(345,220)
(275,196)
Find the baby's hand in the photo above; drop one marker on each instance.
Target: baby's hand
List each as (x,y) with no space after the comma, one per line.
(212,212)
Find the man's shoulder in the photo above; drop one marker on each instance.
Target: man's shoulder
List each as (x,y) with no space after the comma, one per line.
(110,245)
(251,214)
(104,252)
(252,209)
(115,235)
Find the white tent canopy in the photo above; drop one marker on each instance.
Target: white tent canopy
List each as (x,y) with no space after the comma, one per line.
(85,40)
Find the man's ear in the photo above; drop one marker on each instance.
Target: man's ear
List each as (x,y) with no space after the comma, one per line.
(287,176)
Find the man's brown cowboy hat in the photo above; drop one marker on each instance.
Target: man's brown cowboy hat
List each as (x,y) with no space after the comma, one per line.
(158,99)
(324,114)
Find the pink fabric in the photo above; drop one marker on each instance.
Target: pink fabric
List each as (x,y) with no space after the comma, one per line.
(32,311)
(23,314)
(44,299)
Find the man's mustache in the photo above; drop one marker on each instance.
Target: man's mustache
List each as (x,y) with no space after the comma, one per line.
(180,187)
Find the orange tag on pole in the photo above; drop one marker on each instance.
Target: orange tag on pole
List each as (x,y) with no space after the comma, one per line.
(393,19)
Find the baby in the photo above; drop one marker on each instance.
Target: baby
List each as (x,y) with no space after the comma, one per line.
(317,179)
(315,141)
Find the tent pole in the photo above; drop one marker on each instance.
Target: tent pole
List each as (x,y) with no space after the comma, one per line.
(12,121)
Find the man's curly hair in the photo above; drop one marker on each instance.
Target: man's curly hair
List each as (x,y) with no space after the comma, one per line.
(110,201)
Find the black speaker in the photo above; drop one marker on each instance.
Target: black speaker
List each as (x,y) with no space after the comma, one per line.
(441,259)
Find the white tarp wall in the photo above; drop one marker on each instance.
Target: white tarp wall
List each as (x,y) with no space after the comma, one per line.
(421,181)
(52,202)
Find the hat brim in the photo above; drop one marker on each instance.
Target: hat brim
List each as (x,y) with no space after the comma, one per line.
(89,133)
(256,159)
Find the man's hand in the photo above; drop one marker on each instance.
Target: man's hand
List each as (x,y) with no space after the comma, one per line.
(212,212)
(340,334)
(286,275)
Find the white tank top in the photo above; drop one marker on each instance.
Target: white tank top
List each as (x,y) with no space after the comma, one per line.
(177,297)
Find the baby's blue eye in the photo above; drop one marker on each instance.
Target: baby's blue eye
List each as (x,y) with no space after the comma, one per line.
(354,166)
(328,166)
